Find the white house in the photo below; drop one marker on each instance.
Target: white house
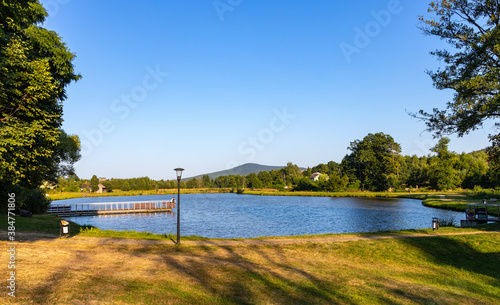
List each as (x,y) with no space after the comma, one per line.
(315,176)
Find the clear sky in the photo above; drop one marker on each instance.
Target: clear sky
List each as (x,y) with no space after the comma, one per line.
(208,85)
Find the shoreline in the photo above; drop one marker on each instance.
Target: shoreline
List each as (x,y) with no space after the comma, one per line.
(455,201)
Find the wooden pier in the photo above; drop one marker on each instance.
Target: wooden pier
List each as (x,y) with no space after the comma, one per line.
(483,212)
(106,208)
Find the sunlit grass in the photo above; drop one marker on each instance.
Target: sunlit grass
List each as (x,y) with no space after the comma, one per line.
(458,269)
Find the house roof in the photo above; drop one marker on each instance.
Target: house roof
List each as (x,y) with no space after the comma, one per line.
(314,175)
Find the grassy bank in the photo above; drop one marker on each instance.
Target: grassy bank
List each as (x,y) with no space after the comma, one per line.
(68,195)
(456,269)
(337,194)
(50,224)
(450,200)
(457,201)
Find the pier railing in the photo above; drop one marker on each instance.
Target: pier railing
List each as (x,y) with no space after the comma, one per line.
(160,205)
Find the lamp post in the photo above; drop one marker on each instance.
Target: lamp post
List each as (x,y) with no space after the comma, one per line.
(178,172)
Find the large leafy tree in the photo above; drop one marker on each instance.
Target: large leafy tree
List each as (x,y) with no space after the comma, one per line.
(35,68)
(376,161)
(471,66)
(443,174)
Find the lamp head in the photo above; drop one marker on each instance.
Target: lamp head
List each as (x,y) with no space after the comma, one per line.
(178,172)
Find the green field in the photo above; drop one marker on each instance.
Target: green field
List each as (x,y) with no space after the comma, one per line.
(448,266)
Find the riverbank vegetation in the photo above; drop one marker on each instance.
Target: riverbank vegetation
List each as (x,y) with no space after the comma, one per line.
(70,195)
(374,164)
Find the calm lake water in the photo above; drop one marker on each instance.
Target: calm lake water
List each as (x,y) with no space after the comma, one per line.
(233,216)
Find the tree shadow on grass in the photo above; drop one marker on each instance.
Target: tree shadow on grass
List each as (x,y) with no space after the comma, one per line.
(237,279)
(461,254)
(450,251)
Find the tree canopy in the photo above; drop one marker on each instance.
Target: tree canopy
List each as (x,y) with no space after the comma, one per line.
(376,160)
(472,65)
(35,68)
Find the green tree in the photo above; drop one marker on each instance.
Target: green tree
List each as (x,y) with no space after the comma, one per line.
(305,184)
(254,181)
(109,186)
(492,178)
(337,183)
(94,183)
(415,171)
(472,169)
(290,172)
(376,160)
(442,172)
(35,68)
(191,184)
(333,167)
(320,168)
(67,153)
(205,181)
(471,68)
(307,173)
(265,178)
(126,186)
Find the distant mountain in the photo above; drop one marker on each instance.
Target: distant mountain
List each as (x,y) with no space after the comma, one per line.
(243,170)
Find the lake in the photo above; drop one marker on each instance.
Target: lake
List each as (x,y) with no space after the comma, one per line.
(234,216)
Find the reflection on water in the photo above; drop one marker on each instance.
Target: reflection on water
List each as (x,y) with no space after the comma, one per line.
(232,216)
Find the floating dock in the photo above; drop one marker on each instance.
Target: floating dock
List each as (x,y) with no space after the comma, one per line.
(106,208)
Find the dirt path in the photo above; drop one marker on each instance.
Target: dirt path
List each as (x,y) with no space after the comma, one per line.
(21,237)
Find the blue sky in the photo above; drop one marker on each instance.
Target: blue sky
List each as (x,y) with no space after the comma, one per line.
(208,85)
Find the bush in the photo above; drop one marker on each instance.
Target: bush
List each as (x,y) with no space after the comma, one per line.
(447,222)
(33,200)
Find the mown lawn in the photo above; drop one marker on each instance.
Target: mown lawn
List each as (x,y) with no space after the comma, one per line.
(457,269)
(434,269)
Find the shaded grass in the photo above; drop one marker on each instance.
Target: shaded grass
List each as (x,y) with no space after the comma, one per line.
(50,224)
(96,232)
(459,269)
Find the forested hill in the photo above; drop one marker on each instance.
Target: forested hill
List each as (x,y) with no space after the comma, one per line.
(243,170)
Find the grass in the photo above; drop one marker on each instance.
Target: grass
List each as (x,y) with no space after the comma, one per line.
(453,201)
(449,200)
(70,195)
(50,224)
(439,269)
(336,194)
